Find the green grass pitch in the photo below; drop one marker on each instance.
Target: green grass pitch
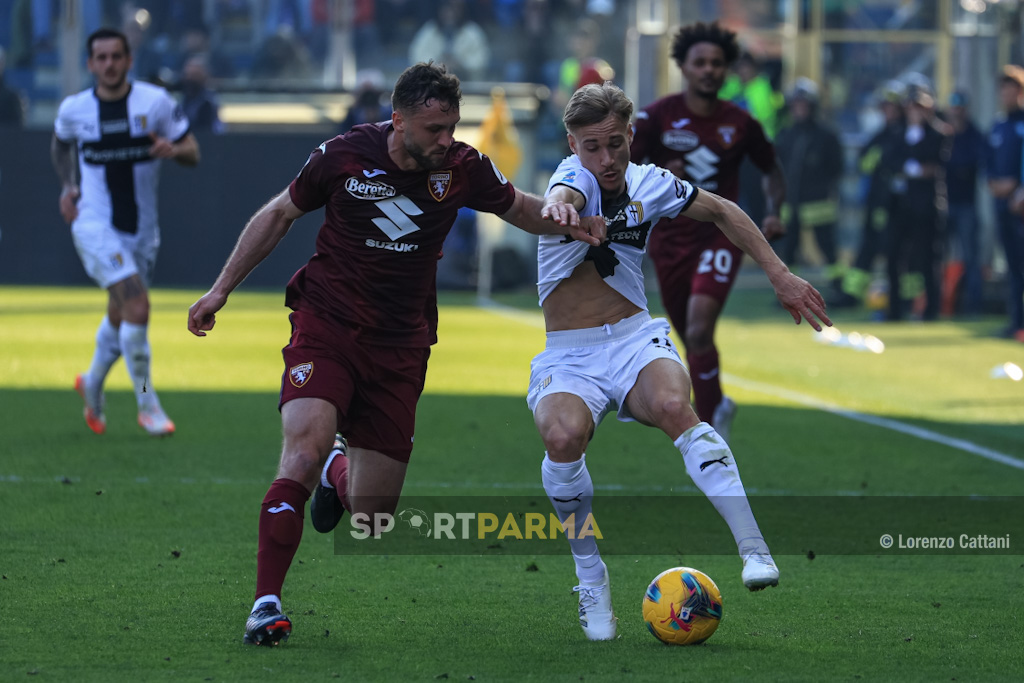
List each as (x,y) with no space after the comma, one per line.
(129,558)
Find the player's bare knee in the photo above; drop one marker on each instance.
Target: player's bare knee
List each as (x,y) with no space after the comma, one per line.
(302,465)
(565,425)
(672,407)
(673,413)
(136,310)
(565,441)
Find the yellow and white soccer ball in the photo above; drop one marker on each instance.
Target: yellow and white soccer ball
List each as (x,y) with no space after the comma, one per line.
(682,606)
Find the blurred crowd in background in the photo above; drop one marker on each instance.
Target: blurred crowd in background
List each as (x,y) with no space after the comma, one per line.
(932,190)
(254,41)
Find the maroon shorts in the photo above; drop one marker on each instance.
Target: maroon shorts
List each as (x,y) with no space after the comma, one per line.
(697,266)
(375,389)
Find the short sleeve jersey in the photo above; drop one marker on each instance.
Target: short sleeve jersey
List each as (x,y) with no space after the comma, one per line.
(118,177)
(711,149)
(377,250)
(651,194)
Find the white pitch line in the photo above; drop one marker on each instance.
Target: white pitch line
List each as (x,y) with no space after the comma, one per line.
(884,422)
(537,320)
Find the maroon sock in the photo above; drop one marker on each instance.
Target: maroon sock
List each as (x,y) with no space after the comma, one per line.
(707,387)
(280,533)
(337,475)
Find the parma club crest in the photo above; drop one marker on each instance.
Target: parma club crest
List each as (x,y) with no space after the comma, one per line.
(300,374)
(438,184)
(636,212)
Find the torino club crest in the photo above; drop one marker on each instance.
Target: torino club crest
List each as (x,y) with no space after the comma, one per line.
(300,374)
(438,183)
(727,135)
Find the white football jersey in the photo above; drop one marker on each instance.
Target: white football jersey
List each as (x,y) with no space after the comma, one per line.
(118,177)
(652,193)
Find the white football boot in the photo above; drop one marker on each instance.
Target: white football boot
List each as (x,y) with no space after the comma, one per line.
(596,616)
(92,397)
(154,420)
(759,571)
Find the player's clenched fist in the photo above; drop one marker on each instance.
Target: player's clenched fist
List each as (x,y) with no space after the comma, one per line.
(202,314)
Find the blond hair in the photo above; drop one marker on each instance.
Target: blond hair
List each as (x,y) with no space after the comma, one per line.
(593,103)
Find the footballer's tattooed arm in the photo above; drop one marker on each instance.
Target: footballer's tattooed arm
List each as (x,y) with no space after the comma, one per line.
(64,156)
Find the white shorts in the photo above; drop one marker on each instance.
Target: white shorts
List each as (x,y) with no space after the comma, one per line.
(600,364)
(110,256)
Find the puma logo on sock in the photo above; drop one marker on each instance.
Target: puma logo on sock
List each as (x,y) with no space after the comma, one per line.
(709,463)
(568,500)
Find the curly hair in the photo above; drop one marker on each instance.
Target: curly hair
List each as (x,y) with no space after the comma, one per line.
(688,36)
(423,82)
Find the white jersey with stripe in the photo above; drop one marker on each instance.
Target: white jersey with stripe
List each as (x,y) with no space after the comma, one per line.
(118,177)
(652,193)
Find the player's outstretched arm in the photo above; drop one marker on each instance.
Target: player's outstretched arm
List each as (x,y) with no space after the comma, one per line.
(795,294)
(553,217)
(261,234)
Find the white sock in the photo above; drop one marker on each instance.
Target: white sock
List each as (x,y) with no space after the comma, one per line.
(135,348)
(711,466)
(571,492)
(108,350)
(267,598)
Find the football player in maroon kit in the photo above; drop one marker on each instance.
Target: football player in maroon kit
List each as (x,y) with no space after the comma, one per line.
(703,140)
(365,307)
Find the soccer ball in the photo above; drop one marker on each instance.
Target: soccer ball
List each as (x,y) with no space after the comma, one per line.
(682,606)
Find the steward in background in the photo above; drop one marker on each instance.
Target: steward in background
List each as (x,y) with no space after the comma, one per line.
(876,200)
(812,159)
(916,164)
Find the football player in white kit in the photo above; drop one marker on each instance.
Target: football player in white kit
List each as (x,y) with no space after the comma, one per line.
(604,352)
(119,131)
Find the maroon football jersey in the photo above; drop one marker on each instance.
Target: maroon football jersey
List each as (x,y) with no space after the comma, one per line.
(711,149)
(376,253)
